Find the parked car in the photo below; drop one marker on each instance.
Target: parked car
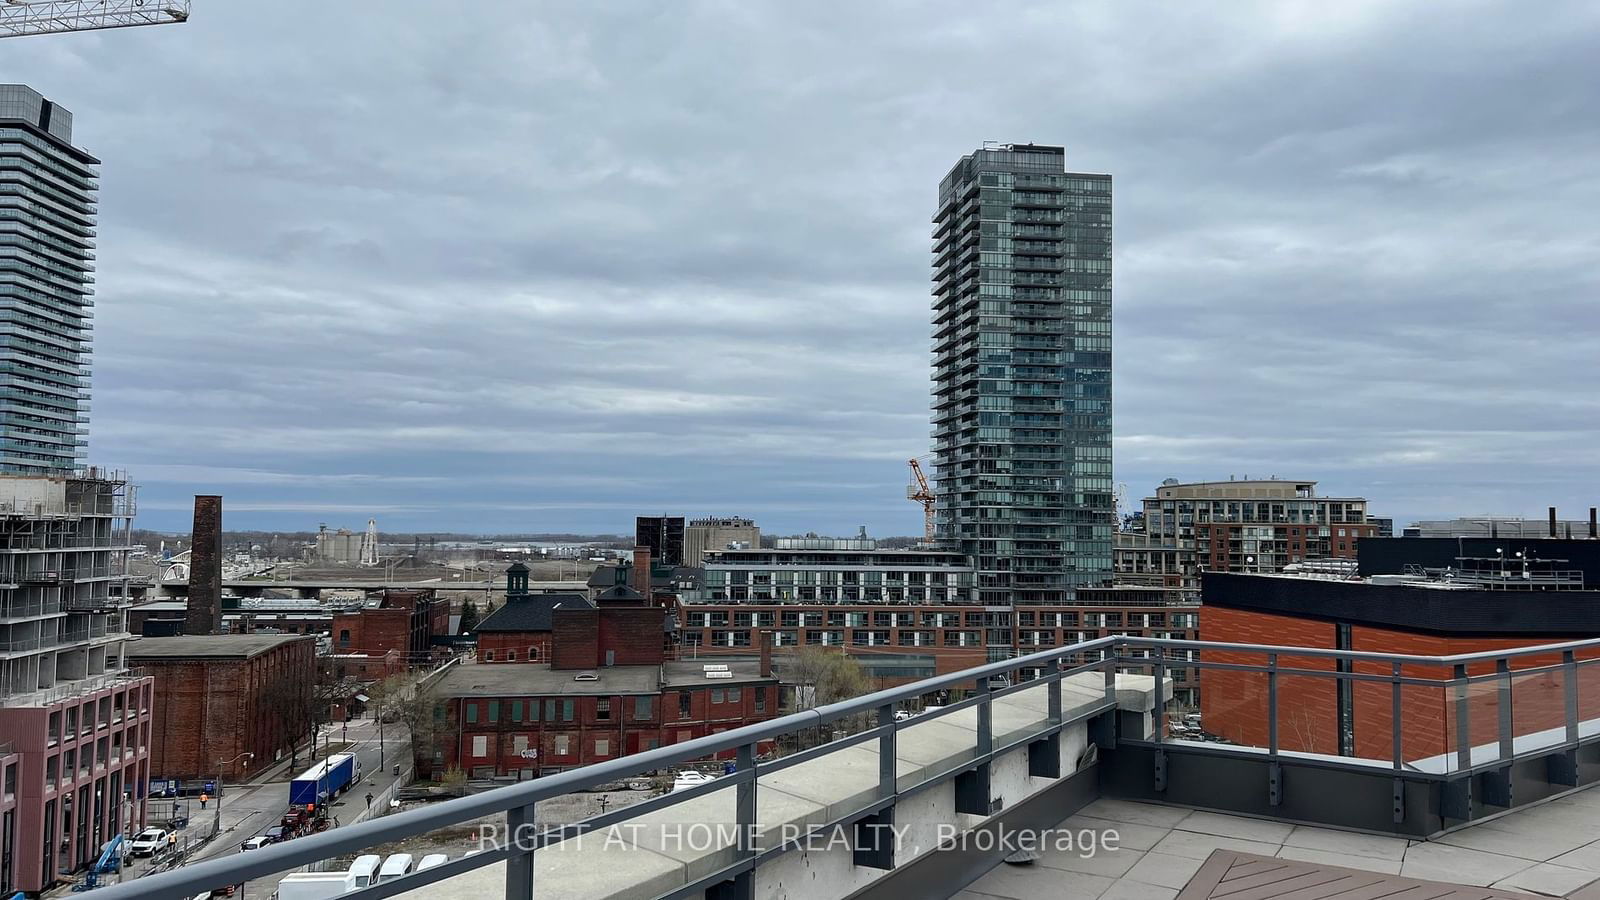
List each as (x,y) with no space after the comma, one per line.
(255,843)
(277,834)
(150,842)
(687,779)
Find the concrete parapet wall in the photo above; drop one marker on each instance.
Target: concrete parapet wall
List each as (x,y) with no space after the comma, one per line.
(657,852)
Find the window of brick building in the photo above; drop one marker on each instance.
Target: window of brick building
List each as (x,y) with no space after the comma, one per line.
(683,705)
(643,708)
(602,709)
(602,747)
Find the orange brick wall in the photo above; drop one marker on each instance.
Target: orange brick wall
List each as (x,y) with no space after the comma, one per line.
(1234,704)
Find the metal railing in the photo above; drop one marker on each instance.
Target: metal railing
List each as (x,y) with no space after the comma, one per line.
(517,802)
(1047,668)
(1460,743)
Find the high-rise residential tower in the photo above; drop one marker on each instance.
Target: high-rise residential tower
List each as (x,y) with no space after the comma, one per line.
(47,229)
(1022,374)
(74,720)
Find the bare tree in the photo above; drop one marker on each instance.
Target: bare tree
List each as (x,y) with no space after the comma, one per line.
(823,675)
(400,699)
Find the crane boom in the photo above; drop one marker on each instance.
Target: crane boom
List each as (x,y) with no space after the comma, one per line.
(24,17)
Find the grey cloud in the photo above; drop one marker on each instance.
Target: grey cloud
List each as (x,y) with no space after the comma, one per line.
(544,266)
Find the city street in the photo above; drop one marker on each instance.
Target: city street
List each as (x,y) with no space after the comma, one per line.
(249,809)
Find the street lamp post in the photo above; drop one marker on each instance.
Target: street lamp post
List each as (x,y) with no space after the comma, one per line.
(217,822)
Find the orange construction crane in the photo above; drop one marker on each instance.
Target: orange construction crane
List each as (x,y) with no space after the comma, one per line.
(921,492)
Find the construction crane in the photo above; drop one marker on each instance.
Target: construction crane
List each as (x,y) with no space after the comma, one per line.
(24,17)
(919,491)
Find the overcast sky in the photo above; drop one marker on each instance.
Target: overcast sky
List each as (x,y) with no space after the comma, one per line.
(515,266)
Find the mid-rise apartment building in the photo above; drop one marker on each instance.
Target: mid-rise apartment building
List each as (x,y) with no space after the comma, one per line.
(1247,525)
(838,570)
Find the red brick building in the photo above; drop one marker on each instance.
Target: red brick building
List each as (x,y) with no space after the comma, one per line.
(521,629)
(405,621)
(599,687)
(218,697)
(1419,617)
(75,771)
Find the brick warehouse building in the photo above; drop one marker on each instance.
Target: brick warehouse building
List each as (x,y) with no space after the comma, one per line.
(607,690)
(406,621)
(220,696)
(1482,603)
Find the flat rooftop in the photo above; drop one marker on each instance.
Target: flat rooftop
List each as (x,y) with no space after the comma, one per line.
(1550,849)
(517,679)
(209,646)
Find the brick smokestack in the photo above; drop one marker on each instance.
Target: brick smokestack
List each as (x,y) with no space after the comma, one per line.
(204,615)
(640,577)
(766,654)
(1594,524)
(1552,521)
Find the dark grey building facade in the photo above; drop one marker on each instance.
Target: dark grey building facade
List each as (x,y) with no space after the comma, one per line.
(1022,373)
(47,230)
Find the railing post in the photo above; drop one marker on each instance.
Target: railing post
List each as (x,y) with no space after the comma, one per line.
(1160,724)
(874,834)
(1394,718)
(1272,704)
(985,718)
(1502,668)
(1052,690)
(1569,670)
(521,838)
(744,810)
(1110,660)
(1463,725)
(887,785)
(972,786)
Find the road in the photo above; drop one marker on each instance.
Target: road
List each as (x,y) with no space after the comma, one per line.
(247,810)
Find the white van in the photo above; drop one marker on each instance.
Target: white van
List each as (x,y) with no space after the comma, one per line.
(431,860)
(364,871)
(398,865)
